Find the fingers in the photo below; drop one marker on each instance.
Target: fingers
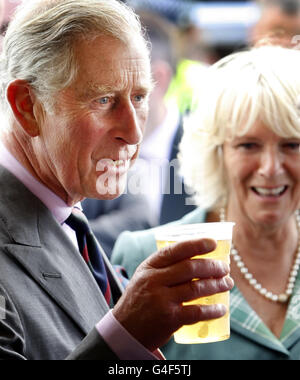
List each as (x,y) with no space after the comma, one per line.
(191,269)
(151,308)
(196,313)
(197,289)
(180,251)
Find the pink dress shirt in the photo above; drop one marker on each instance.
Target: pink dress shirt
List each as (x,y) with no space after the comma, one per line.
(117,338)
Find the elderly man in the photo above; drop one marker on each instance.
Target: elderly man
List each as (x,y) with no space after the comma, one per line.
(75,80)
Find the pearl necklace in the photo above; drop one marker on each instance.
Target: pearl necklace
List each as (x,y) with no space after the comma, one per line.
(281,298)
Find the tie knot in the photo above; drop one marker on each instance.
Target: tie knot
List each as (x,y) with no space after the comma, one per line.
(78,222)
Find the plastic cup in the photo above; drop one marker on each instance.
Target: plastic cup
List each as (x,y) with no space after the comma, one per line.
(217,329)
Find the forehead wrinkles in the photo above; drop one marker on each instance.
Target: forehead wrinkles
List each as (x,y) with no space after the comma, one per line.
(134,74)
(135,67)
(117,79)
(107,61)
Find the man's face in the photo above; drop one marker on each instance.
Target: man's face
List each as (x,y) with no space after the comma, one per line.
(90,142)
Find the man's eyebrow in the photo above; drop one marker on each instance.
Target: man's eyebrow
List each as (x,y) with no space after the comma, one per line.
(94,90)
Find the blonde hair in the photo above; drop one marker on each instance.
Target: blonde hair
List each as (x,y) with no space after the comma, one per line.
(38,45)
(259,84)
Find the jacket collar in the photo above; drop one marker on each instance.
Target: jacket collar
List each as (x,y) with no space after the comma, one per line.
(46,254)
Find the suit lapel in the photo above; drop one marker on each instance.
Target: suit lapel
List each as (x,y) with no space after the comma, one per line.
(47,255)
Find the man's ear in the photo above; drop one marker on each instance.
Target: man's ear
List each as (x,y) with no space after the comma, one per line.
(21,99)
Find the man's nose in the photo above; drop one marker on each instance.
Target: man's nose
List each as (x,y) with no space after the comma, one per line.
(130,128)
(270,163)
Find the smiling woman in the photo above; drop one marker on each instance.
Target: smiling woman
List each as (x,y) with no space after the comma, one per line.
(261,84)
(245,144)
(240,153)
(265,182)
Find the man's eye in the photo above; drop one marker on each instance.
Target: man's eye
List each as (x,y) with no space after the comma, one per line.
(104,100)
(139,98)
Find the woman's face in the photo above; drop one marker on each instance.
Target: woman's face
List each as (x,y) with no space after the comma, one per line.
(263,175)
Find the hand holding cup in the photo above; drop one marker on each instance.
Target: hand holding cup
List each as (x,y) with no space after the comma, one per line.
(152,307)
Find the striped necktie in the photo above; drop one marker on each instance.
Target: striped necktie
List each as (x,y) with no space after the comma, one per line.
(89,249)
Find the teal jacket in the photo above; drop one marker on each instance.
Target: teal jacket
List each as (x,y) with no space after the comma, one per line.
(250,338)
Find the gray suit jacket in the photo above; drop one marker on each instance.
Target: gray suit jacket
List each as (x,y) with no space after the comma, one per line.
(49,301)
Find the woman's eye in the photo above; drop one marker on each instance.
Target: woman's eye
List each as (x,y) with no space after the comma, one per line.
(247,146)
(295,146)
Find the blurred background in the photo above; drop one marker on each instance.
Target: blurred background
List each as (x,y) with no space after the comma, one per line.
(209,30)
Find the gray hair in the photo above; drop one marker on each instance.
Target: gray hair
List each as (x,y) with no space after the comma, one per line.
(260,84)
(38,45)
